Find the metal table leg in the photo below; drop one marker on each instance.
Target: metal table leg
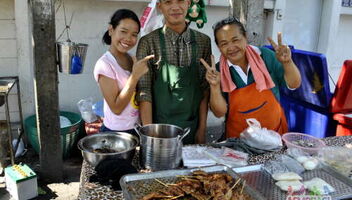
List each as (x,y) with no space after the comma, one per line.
(8,120)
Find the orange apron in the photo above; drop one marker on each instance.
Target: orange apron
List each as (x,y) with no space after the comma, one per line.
(248,102)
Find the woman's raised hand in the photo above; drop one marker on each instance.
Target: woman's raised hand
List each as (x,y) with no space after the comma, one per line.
(140,67)
(212,75)
(283,52)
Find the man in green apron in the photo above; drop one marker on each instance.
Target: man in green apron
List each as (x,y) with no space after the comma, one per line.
(175,91)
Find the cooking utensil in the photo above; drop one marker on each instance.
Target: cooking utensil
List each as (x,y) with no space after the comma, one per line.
(161,145)
(108,145)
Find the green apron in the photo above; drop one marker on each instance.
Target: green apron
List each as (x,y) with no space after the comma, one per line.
(176,93)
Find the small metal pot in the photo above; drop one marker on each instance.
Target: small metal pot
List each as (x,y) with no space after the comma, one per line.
(108,145)
(161,145)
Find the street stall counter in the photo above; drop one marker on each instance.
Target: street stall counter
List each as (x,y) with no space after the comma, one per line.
(95,190)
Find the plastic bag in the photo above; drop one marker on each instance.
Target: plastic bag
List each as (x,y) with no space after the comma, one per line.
(85,107)
(98,108)
(296,153)
(150,20)
(64,122)
(283,164)
(193,156)
(273,167)
(339,158)
(260,138)
(308,162)
(228,157)
(291,164)
(20,149)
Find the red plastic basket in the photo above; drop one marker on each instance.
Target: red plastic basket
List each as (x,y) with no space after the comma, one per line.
(291,140)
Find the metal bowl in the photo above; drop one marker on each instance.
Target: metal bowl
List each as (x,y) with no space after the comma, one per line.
(108,145)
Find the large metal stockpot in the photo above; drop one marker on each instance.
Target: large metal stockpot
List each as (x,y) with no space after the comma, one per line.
(161,145)
(108,145)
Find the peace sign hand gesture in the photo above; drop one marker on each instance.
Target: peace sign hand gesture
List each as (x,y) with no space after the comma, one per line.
(283,52)
(212,75)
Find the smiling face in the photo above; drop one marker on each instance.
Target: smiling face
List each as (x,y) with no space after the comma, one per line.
(124,36)
(174,11)
(232,43)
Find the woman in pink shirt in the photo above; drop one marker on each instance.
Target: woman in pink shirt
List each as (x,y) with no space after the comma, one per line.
(117,73)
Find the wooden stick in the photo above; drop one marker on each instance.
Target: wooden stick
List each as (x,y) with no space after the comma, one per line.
(243,184)
(228,192)
(175,197)
(162,183)
(186,176)
(235,183)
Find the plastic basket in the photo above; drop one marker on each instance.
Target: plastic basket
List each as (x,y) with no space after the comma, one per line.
(290,140)
(69,134)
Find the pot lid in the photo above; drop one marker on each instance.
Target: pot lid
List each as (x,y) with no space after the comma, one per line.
(342,100)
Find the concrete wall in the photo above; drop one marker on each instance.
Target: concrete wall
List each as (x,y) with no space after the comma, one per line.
(8,54)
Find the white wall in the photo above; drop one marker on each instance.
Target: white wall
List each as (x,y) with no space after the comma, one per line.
(301,23)
(342,46)
(8,54)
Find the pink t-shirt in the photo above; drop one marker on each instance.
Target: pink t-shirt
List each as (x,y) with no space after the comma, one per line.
(107,66)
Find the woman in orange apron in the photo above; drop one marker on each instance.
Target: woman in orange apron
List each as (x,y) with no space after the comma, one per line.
(247,85)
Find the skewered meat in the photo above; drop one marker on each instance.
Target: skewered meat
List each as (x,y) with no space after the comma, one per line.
(173,190)
(154,196)
(201,186)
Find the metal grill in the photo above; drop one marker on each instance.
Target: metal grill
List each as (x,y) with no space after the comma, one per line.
(261,181)
(135,186)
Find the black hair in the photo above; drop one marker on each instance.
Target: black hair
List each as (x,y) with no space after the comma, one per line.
(115,21)
(229,20)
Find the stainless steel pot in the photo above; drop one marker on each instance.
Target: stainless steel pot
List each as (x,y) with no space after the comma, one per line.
(161,145)
(108,145)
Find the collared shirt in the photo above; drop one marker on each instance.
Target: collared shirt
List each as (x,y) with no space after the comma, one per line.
(247,77)
(244,76)
(178,52)
(274,67)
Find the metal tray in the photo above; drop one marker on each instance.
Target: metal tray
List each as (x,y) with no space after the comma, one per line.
(135,186)
(261,181)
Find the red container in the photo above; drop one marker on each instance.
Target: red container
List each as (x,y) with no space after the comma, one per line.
(344,126)
(341,103)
